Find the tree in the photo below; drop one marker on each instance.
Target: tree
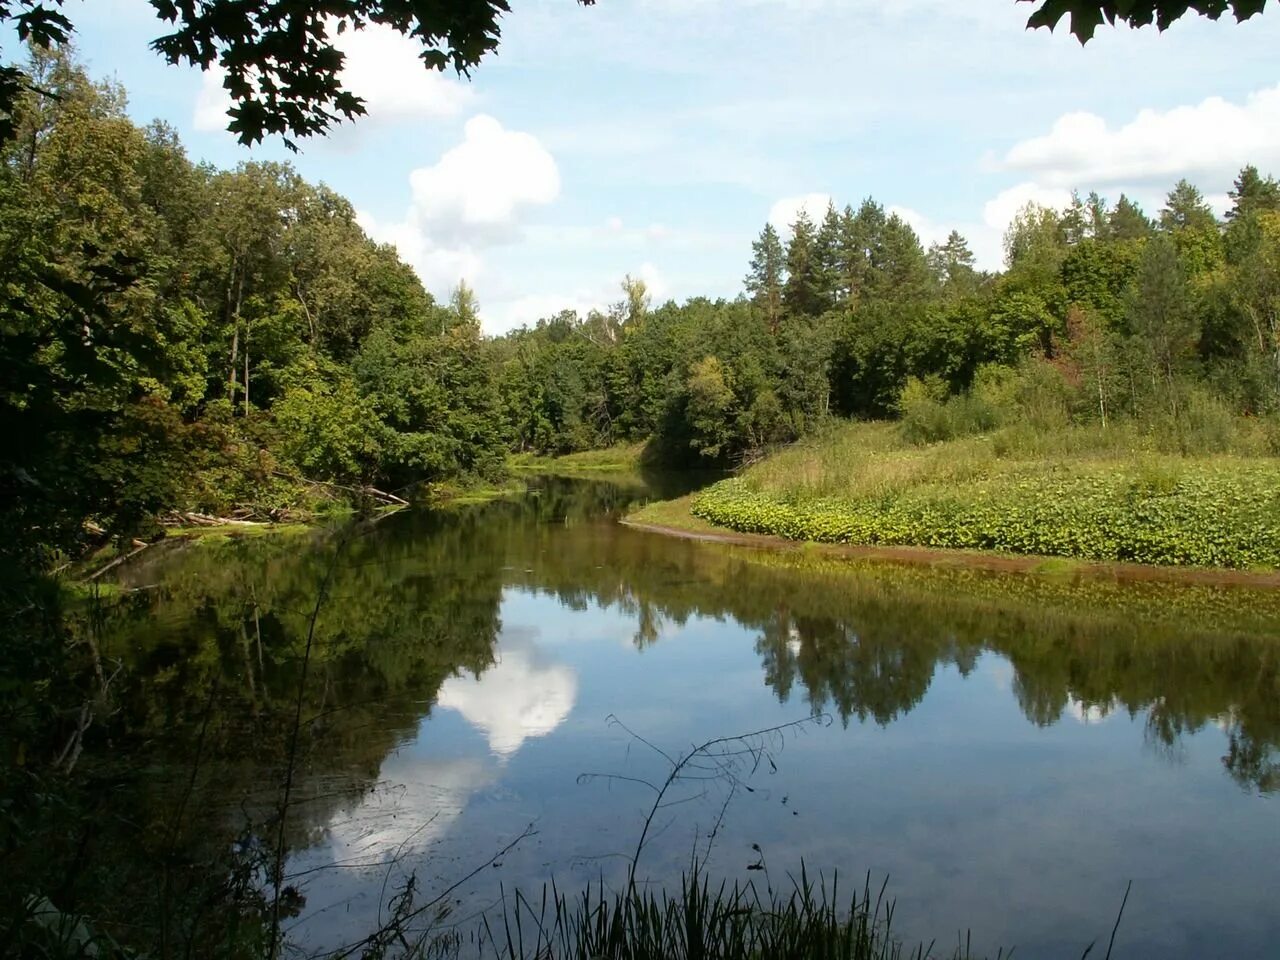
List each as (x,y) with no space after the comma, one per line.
(281,62)
(1187,218)
(1035,249)
(1253,193)
(710,404)
(900,264)
(1185,209)
(952,264)
(636,299)
(464,306)
(1088,15)
(1127,221)
(1257,293)
(764,281)
(802,292)
(860,236)
(1159,316)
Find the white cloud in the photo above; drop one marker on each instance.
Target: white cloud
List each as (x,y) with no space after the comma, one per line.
(783,213)
(928,230)
(1207,143)
(381,66)
(439,267)
(477,190)
(473,197)
(523,695)
(1212,140)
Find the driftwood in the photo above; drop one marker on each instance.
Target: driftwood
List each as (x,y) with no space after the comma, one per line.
(373,493)
(190,518)
(116,562)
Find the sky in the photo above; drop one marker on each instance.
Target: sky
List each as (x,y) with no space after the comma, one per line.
(656,137)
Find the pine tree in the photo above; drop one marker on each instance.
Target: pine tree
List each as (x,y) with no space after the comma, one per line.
(1096,207)
(952,264)
(827,258)
(902,266)
(859,234)
(864,240)
(1076,220)
(1127,221)
(764,282)
(1185,209)
(1253,193)
(802,294)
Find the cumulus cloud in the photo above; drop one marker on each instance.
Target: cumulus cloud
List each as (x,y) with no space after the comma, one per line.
(784,212)
(381,66)
(473,197)
(523,695)
(477,189)
(1212,140)
(1207,143)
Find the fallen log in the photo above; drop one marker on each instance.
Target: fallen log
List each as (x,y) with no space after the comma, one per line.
(115,563)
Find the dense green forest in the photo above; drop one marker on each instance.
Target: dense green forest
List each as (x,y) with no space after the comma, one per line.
(1172,322)
(179,337)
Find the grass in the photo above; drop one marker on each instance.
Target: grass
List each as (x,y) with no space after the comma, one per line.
(463,495)
(705,922)
(1076,493)
(622,458)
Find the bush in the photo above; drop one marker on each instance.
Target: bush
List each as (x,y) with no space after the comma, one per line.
(1033,393)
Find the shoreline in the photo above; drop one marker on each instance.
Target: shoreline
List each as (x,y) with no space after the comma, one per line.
(672,518)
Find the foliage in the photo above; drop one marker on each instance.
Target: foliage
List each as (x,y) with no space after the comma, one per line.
(1088,15)
(1081,493)
(176,337)
(1201,518)
(282,66)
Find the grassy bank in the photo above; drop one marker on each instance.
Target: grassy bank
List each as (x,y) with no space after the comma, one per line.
(454,494)
(1080,494)
(624,457)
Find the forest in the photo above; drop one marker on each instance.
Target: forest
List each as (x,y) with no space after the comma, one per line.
(178,337)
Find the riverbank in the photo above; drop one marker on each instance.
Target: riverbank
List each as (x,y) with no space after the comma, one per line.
(621,458)
(1117,513)
(674,518)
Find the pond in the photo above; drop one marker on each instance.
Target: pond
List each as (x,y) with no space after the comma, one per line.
(1007,751)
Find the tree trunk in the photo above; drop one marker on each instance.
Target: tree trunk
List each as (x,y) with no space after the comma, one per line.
(235,334)
(246,370)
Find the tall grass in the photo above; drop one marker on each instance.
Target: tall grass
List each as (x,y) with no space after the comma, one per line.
(1040,485)
(702,922)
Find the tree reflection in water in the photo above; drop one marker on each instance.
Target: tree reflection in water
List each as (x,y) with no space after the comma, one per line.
(211,652)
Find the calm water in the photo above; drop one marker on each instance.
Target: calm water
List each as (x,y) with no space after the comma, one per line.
(1008,751)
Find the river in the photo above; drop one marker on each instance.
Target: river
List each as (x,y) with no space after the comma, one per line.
(1007,751)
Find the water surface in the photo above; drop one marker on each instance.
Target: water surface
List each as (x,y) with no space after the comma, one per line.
(1009,751)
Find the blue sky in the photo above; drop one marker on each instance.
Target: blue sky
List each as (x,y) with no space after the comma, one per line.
(656,137)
